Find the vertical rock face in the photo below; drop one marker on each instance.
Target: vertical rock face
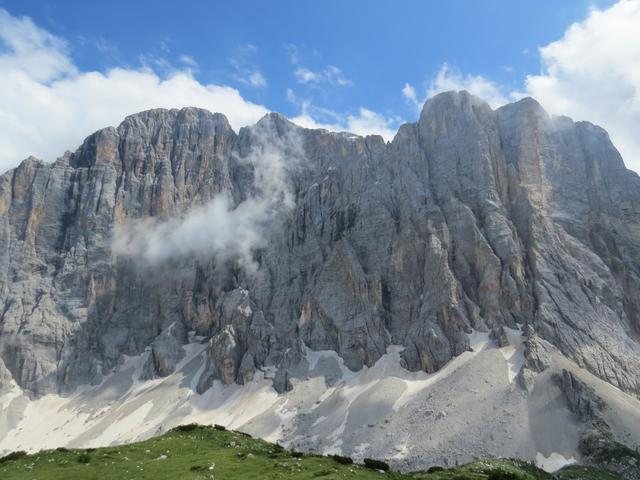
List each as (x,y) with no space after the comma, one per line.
(469,219)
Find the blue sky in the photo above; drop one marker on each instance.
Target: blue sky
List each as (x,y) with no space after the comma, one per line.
(361,65)
(378,45)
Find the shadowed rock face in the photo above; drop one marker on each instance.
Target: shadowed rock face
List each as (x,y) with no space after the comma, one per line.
(470,219)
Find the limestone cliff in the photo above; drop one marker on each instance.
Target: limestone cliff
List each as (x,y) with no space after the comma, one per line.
(471,218)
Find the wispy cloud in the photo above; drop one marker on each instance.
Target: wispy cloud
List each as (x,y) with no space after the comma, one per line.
(451,79)
(304,75)
(409,92)
(256,79)
(330,74)
(105,47)
(292,51)
(221,228)
(188,61)
(318,81)
(363,122)
(245,69)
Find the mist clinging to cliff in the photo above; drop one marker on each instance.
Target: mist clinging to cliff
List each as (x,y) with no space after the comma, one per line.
(221,228)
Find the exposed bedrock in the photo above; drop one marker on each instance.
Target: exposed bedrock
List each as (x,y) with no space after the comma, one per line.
(471,218)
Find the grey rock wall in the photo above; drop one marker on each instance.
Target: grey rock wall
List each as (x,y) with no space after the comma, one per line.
(469,219)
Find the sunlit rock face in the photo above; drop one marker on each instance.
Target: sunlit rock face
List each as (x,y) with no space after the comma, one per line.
(470,219)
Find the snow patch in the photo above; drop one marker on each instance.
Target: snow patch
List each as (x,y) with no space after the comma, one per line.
(123,408)
(347,415)
(553,462)
(514,352)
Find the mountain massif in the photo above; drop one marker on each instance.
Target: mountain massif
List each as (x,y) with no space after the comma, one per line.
(475,281)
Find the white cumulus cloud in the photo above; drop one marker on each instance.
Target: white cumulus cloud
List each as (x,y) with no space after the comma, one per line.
(39,54)
(367,122)
(48,106)
(449,79)
(593,73)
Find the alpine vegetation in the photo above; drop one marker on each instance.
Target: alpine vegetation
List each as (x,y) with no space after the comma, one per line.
(468,289)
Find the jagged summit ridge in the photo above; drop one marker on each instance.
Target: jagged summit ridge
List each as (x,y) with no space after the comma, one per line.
(471,218)
(482,265)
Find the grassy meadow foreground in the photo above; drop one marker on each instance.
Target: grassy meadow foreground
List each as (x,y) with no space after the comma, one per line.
(197,452)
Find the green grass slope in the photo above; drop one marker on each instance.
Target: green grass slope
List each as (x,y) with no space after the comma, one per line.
(197,452)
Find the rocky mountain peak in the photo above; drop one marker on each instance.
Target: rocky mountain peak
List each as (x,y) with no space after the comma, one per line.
(469,264)
(277,121)
(471,219)
(451,104)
